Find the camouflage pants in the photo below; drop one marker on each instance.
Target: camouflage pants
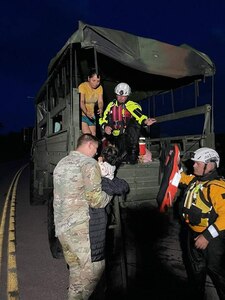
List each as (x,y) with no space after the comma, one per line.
(84,275)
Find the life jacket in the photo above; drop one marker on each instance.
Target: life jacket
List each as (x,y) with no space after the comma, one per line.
(197,210)
(170,180)
(119,116)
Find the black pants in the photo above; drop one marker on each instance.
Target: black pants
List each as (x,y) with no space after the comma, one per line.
(128,141)
(210,261)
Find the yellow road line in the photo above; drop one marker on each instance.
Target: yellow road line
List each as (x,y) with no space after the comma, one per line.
(3,220)
(12,282)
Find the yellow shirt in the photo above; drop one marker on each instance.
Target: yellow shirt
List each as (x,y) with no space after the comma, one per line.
(91,95)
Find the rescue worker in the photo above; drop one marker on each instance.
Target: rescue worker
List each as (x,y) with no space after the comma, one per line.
(77,191)
(203,211)
(121,122)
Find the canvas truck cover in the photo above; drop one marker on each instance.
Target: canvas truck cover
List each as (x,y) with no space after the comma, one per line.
(143,54)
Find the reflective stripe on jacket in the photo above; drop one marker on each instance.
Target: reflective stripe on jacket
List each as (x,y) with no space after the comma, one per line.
(132,107)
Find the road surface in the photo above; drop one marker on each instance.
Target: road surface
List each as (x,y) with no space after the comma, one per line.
(149,252)
(40,277)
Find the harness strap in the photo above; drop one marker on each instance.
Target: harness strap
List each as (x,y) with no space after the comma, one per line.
(211,215)
(201,195)
(203,215)
(119,117)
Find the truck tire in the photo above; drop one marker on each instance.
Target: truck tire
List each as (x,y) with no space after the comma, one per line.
(55,246)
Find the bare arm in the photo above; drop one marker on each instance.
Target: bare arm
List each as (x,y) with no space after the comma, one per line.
(100,105)
(83,106)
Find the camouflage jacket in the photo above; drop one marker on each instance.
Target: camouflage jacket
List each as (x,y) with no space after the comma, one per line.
(77,186)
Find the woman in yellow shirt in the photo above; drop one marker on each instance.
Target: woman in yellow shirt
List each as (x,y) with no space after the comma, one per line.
(91,93)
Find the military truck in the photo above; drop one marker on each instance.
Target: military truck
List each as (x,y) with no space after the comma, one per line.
(169,82)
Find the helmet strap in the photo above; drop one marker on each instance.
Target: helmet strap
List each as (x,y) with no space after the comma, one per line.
(210,176)
(205,166)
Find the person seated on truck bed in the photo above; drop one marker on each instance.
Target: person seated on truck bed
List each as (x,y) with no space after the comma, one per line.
(91,93)
(121,122)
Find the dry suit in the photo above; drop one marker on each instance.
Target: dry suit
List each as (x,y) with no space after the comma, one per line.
(126,120)
(203,210)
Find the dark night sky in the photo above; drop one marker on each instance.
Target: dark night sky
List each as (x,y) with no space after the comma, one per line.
(32,32)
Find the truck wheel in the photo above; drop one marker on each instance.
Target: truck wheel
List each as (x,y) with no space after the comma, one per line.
(55,246)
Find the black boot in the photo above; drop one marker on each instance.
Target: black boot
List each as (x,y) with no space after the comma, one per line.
(132,157)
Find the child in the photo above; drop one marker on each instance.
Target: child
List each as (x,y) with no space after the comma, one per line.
(112,185)
(107,161)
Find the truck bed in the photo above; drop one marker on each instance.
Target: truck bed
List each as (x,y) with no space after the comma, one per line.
(143,179)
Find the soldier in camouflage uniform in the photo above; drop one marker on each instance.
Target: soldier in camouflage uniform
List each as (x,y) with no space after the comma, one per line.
(77,189)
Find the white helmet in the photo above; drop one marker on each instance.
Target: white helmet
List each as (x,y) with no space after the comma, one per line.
(206,155)
(122,89)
